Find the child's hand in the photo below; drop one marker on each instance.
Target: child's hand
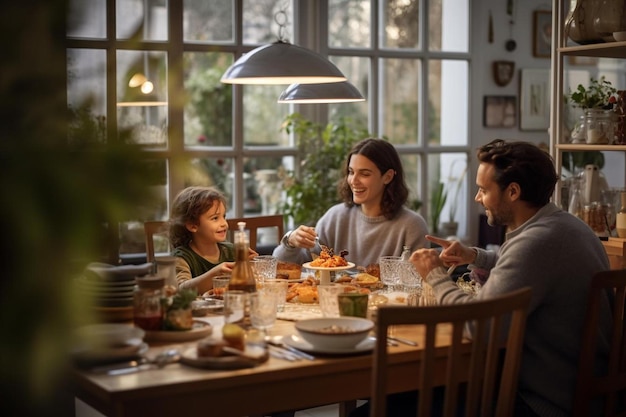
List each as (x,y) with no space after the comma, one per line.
(225,268)
(252,254)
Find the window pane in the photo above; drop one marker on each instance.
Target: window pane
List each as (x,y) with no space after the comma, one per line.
(141,19)
(400,99)
(412,168)
(401,24)
(449,25)
(263,116)
(132,237)
(266,188)
(448,103)
(208,108)
(212,172)
(86,19)
(262,20)
(349,23)
(142,99)
(356,69)
(86,94)
(449,170)
(210,21)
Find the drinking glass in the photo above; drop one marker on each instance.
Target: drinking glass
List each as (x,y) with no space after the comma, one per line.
(278,287)
(411,279)
(235,305)
(263,306)
(390,270)
(220,285)
(329,303)
(264,267)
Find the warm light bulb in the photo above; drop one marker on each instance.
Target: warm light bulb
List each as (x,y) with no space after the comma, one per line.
(147,87)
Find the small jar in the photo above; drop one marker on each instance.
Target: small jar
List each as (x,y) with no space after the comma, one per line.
(148,303)
(599,124)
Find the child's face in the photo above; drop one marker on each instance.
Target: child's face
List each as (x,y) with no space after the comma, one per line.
(212,225)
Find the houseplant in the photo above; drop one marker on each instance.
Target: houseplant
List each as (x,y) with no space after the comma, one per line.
(453,188)
(312,189)
(596,101)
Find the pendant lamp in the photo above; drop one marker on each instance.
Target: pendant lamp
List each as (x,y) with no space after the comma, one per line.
(140,93)
(343,92)
(282,63)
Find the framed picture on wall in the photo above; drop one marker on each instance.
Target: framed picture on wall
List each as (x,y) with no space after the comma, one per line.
(542,33)
(534,108)
(499,111)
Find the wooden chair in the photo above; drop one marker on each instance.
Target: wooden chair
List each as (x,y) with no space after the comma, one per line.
(152,228)
(473,367)
(260,222)
(611,385)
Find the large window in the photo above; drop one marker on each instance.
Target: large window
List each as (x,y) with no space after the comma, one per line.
(150,70)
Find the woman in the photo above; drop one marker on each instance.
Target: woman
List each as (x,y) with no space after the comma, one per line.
(372,221)
(198,230)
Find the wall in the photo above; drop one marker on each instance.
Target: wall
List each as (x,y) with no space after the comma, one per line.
(482,82)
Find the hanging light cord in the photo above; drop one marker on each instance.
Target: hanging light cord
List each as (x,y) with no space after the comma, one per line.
(281,19)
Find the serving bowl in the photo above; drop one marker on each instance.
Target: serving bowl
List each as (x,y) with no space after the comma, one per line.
(334,332)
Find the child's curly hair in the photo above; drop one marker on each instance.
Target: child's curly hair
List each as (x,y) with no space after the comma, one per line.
(187,207)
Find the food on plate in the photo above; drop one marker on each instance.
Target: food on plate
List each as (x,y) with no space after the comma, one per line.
(291,270)
(210,347)
(328,259)
(365,279)
(179,313)
(234,336)
(373,269)
(344,279)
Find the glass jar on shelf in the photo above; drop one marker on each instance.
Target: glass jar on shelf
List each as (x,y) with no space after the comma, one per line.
(599,125)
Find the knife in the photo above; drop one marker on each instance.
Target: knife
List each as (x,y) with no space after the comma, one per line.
(401,340)
(132,369)
(118,365)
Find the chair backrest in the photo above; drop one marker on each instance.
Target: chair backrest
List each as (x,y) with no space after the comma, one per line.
(610,387)
(152,228)
(260,222)
(476,363)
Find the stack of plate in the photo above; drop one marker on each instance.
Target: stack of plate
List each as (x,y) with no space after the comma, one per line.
(101,343)
(111,286)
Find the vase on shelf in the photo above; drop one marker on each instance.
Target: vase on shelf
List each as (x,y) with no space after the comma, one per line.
(599,125)
(608,18)
(579,132)
(579,24)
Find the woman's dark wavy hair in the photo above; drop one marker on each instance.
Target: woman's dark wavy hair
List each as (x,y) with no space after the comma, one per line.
(187,207)
(523,163)
(384,155)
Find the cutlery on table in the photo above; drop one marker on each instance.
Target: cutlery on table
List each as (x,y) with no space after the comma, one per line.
(277,341)
(162,359)
(402,340)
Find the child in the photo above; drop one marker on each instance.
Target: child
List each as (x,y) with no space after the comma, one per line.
(198,230)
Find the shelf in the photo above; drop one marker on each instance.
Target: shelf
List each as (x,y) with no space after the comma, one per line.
(598,50)
(589,147)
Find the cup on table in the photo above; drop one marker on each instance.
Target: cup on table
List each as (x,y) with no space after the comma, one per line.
(410,278)
(234,305)
(329,303)
(263,308)
(220,285)
(353,304)
(278,287)
(264,267)
(390,271)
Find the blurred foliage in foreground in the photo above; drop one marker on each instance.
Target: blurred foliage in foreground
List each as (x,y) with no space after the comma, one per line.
(55,199)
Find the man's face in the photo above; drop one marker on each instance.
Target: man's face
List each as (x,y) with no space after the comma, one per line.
(497,205)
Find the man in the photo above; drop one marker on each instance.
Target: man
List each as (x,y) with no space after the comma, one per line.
(546,248)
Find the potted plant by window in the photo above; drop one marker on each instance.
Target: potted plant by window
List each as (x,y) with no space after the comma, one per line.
(596,101)
(312,189)
(453,188)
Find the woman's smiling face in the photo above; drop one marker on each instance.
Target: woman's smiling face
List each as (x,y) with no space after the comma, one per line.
(366,181)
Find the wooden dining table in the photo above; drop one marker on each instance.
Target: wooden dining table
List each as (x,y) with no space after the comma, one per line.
(273,386)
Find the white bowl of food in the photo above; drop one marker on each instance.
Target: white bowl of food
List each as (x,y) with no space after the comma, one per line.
(331,333)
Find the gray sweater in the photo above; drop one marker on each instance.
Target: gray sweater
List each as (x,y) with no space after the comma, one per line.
(365,238)
(556,254)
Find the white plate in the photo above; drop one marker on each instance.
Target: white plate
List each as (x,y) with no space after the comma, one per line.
(134,349)
(322,268)
(299,343)
(258,356)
